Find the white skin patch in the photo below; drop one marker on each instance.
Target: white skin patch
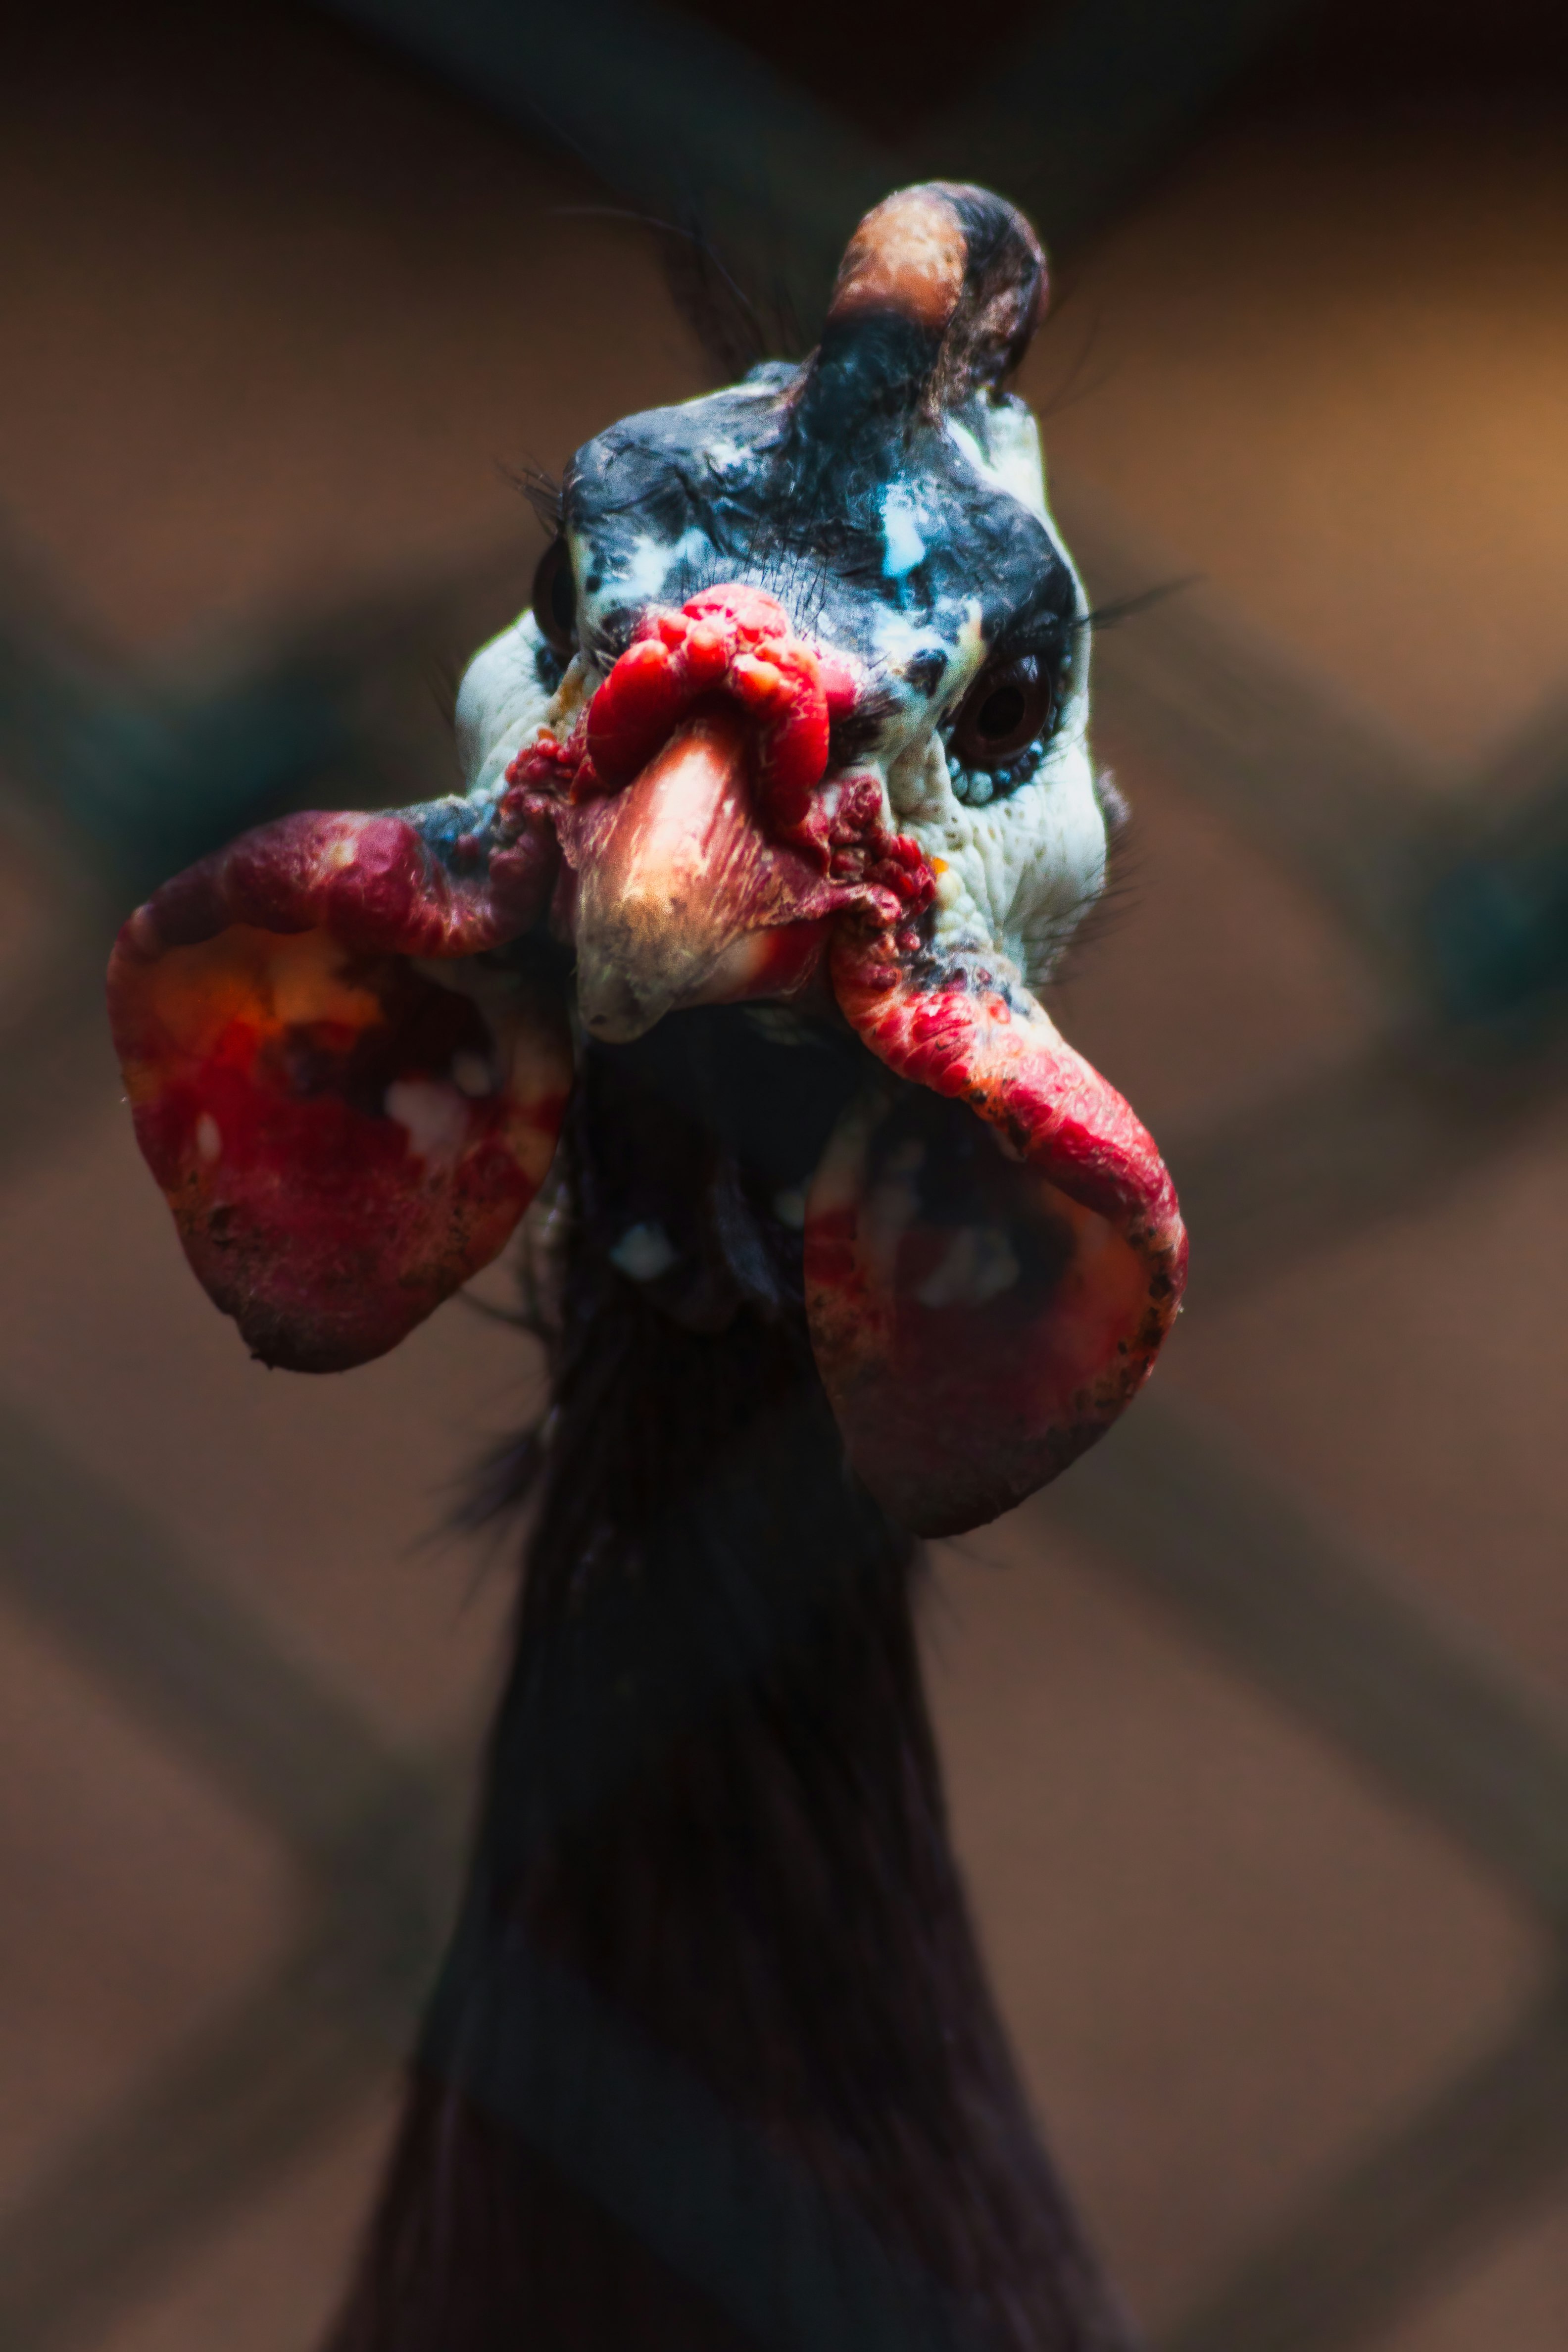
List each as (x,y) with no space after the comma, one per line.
(1009,458)
(899,641)
(644,1252)
(501,704)
(980,1264)
(1015,869)
(642,573)
(890,1211)
(434,1117)
(1016,876)
(900,533)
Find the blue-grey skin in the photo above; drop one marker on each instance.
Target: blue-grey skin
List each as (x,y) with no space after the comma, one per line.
(912,537)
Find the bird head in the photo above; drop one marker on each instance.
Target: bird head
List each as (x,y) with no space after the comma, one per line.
(797,719)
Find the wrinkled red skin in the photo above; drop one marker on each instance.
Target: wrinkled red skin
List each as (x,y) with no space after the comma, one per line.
(371,881)
(952,1412)
(958,1396)
(972,1342)
(292,1081)
(735,645)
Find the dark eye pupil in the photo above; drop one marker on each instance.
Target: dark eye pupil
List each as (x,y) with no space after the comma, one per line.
(1007,710)
(1000,713)
(555,598)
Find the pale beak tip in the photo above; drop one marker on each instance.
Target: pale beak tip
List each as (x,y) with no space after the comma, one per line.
(613,1008)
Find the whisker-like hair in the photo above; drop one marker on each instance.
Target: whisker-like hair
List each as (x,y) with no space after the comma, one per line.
(1075,384)
(1141,600)
(544,492)
(735,324)
(1118,896)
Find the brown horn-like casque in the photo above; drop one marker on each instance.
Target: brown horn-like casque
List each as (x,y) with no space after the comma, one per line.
(959,271)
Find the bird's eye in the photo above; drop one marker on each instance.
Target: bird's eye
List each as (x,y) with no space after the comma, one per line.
(1005,708)
(555,599)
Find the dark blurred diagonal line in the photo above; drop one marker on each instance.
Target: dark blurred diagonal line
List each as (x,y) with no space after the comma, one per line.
(56,1059)
(695,127)
(1491,928)
(379,1833)
(698,127)
(1411,2212)
(1457,887)
(110,780)
(111,1584)
(126,773)
(1472,921)
(1382,1676)
(132,781)
(1247,730)
(220,2123)
(1531,765)
(1387,1134)
(1079,111)
(640,2133)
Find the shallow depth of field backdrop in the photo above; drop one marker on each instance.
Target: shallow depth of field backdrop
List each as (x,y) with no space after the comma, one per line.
(1255,1727)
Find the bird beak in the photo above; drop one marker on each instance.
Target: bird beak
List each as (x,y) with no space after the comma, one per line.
(347,1100)
(349,1096)
(680,897)
(349,1104)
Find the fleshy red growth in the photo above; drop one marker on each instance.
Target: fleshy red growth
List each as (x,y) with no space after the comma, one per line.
(735,646)
(342,1141)
(981,1313)
(986,1292)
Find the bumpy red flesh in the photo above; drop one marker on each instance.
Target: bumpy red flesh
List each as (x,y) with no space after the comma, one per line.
(982,1303)
(730,654)
(343,1140)
(993,1252)
(681,897)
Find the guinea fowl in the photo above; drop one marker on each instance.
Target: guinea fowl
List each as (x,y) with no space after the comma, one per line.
(779,808)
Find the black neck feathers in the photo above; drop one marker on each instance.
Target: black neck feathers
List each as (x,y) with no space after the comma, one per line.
(713,2062)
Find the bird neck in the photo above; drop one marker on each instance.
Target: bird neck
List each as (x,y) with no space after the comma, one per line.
(715,1935)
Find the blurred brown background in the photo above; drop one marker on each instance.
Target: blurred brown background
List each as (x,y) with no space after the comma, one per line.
(1255,1729)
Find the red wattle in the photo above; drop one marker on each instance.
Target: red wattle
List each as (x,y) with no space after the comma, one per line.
(993,1262)
(344,1139)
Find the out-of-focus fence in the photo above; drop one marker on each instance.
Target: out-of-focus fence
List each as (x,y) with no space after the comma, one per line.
(1464,919)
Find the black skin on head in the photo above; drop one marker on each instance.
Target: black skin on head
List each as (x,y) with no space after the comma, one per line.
(784,483)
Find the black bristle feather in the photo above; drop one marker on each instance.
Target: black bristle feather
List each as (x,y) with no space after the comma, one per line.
(543,492)
(713,1795)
